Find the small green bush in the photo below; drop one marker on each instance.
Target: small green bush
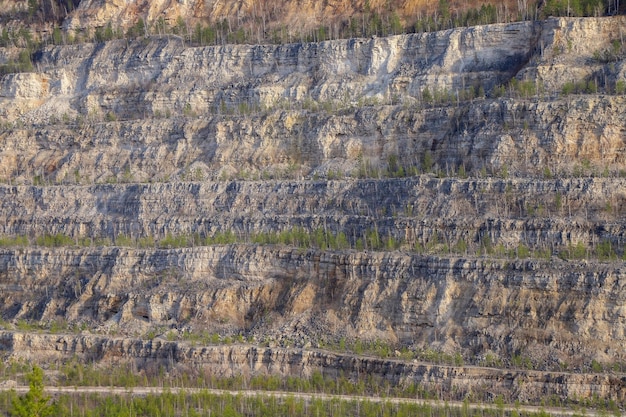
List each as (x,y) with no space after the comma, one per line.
(146,242)
(8,241)
(123,240)
(171,241)
(605,251)
(56,240)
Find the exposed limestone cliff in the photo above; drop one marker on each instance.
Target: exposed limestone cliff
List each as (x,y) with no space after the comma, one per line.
(537,213)
(100,110)
(105,144)
(451,382)
(553,312)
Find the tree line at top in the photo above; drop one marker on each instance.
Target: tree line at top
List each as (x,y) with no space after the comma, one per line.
(267,25)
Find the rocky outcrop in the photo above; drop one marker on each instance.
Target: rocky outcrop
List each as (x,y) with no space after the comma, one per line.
(112,148)
(234,360)
(295,144)
(158,110)
(552,312)
(541,214)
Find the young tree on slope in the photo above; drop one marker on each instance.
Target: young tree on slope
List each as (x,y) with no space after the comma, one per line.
(34,403)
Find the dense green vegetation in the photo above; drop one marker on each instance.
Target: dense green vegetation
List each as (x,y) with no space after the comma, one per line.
(577,7)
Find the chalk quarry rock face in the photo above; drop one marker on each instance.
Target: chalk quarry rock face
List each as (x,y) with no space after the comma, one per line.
(24,86)
(554,311)
(159,110)
(233,360)
(458,305)
(330,70)
(113,142)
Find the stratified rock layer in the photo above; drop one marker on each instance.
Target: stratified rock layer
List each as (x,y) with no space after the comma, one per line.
(552,312)
(457,171)
(226,361)
(159,110)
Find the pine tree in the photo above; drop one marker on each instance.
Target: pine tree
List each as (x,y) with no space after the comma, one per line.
(34,403)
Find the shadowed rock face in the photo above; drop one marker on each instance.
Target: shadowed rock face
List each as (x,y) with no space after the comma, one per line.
(537,213)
